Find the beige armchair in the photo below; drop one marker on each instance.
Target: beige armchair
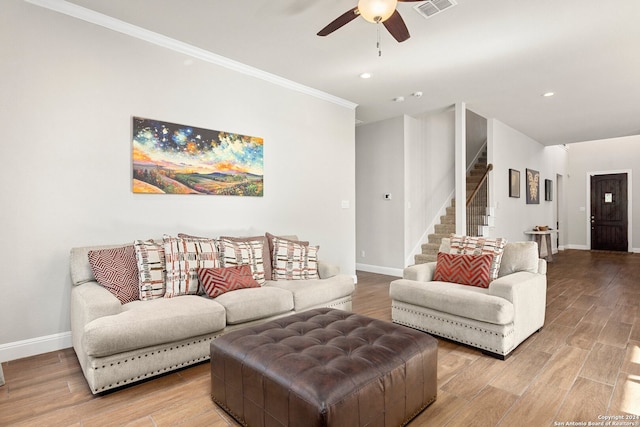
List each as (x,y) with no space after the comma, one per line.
(494,319)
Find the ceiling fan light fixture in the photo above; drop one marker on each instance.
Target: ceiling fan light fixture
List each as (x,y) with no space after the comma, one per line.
(377,11)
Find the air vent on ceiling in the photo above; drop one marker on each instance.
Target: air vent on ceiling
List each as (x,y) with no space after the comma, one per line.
(433,7)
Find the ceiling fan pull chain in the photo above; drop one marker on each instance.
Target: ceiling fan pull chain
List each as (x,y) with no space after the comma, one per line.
(378,42)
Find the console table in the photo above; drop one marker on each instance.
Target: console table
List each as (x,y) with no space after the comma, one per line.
(539,236)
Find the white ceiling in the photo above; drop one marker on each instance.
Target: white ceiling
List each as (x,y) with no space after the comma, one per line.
(498,56)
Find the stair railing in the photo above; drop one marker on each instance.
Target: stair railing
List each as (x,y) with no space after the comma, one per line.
(477,204)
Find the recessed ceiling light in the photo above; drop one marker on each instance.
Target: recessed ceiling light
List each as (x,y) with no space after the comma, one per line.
(548,94)
(398,99)
(366,75)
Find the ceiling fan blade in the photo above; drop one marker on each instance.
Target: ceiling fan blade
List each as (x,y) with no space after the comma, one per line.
(397,27)
(340,21)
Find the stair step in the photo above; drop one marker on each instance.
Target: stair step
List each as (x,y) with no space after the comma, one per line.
(451,211)
(437,238)
(445,229)
(430,248)
(423,259)
(448,219)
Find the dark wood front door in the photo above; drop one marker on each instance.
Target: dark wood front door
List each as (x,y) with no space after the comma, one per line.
(609,212)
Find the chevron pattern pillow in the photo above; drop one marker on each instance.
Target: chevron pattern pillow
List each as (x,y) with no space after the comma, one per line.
(470,245)
(217,281)
(117,271)
(472,270)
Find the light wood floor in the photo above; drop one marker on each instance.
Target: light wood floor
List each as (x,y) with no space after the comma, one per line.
(583,365)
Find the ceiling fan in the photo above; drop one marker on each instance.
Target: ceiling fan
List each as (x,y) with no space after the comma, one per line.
(375,11)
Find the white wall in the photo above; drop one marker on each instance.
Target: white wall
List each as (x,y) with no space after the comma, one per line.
(69,89)
(476,130)
(602,156)
(430,162)
(510,149)
(379,171)
(413,159)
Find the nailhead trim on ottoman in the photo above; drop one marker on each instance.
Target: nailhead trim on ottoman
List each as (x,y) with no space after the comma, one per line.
(324,367)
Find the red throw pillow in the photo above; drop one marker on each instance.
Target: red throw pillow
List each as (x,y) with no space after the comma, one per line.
(217,281)
(472,270)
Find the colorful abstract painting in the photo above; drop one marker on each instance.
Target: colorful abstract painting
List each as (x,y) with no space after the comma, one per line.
(179,159)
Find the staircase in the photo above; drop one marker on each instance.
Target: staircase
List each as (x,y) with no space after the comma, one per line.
(447,223)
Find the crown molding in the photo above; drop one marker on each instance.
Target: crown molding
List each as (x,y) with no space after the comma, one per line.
(91,16)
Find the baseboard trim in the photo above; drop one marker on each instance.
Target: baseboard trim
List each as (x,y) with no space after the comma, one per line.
(388,271)
(579,247)
(34,346)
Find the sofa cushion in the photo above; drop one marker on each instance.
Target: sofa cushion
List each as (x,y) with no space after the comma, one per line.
(147,323)
(477,246)
(472,270)
(241,251)
(151,268)
(117,271)
(519,256)
(217,281)
(294,260)
(458,300)
(245,305)
(184,255)
(313,293)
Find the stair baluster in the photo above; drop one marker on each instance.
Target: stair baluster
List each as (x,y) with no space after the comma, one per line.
(477,204)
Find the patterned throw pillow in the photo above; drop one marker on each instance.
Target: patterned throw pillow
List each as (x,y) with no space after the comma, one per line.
(184,255)
(116,270)
(470,270)
(468,245)
(217,281)
(151,269)
(235,252)
(293,260)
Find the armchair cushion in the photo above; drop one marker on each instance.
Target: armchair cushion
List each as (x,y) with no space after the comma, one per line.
(458,300)
(519,256)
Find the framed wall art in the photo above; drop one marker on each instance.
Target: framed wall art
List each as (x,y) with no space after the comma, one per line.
(533,187)
(172,158)
(514,183)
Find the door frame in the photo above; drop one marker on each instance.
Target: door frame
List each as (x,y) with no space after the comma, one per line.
(629,204)
(560,213)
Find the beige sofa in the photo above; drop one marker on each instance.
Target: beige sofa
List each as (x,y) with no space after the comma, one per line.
(118,344)
(494,319)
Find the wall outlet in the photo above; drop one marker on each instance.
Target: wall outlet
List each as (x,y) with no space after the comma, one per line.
(362,254)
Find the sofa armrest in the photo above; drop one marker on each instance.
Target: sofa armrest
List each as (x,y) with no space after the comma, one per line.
(326,270)
(528,294)
(520,287)
(542,266)
(419,272)
(90,301)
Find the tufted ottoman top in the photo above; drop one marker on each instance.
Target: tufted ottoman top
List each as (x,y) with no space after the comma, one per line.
(324,367)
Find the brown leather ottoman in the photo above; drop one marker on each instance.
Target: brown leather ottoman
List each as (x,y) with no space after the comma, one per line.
(324,367)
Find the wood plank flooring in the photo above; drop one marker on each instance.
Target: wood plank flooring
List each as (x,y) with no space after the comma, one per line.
(582,366)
